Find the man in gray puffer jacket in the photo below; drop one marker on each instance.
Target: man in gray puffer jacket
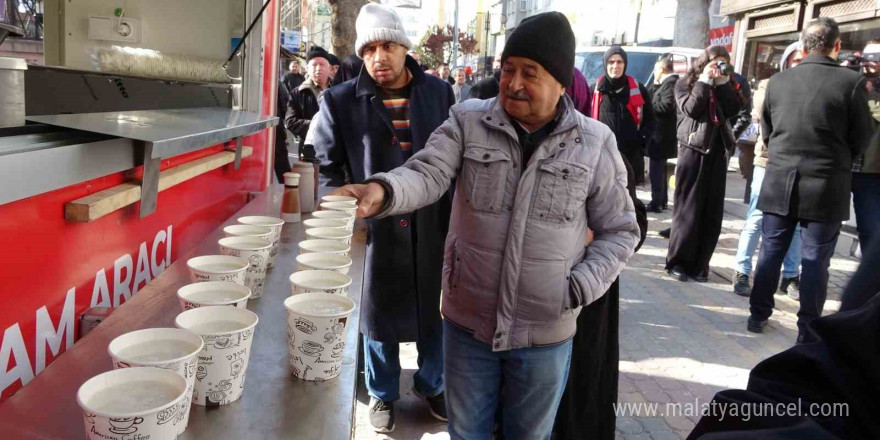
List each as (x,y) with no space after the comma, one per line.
(531,175)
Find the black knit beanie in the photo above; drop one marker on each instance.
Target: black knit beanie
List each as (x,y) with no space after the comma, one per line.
(546,39)
(317,52)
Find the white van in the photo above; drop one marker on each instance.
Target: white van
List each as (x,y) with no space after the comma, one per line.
(640,61)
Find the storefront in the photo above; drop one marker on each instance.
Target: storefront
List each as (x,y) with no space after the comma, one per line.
(764,28)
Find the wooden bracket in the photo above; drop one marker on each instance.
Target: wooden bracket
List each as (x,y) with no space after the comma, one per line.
(99,204)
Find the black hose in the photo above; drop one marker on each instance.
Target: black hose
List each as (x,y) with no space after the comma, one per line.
(246,33)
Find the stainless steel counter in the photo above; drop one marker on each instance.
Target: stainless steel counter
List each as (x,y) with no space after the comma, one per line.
(274,404)
(170,132)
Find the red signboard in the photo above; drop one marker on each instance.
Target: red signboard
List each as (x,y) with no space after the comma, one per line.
(722,36)
(52,270)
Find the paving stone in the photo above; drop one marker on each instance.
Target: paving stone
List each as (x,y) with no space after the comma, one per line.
(628,425)
(664,435)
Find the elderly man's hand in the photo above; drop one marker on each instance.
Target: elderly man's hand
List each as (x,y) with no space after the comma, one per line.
(590,237)
(371,197)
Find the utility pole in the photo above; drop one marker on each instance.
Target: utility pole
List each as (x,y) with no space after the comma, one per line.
(455,37)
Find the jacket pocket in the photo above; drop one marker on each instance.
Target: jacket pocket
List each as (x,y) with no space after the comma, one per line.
(543,290)
(485,174)
(561,191)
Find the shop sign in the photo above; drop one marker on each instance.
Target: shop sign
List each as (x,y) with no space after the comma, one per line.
(722,36)
(130,273)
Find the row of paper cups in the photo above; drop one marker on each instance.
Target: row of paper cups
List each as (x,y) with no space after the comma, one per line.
(159,372)
(318,309)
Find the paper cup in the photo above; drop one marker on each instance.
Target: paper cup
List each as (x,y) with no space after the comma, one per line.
(336,215)
(326,281)
(218,268)
(316,325)
(339,235)
(169,348)
(228,333)
(213,293)
(256,251)
(324,247)
(273,223)
(318,261)
(133,403)
(326,223)
(345,207)
(340,199)
(248,231)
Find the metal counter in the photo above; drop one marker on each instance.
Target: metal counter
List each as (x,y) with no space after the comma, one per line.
(275,405)
(166,133)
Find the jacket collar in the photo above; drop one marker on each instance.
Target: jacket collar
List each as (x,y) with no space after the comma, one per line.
(819,59)
(310,84)
(366,85)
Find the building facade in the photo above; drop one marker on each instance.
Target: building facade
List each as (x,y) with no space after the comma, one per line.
(764,28)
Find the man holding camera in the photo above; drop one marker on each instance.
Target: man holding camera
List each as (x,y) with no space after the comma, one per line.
(866,168)
(815,120)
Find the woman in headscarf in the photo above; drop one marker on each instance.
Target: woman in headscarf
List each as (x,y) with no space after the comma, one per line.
(624,105)
(705,98)
(579,92)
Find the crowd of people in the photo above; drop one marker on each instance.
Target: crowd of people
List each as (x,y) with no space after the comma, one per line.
(515,197)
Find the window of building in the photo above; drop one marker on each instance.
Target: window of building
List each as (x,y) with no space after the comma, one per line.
(523,5)
(763,55)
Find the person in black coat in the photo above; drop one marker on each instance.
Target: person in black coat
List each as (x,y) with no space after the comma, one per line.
(293,78)
(350,68)
(624,105)
(662,143)
(486,88)
(354,138)
(281,161)
(304,101)
(814,122)
(586,411)
(705,97)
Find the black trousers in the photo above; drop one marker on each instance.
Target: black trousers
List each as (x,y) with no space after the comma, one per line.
(282,162)
(819,240)
(659,182)
(700,181)
(586,411)
(637,161)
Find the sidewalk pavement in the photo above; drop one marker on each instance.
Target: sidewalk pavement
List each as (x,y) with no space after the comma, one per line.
(680,343)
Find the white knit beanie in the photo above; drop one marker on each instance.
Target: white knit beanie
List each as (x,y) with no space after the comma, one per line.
(378,22)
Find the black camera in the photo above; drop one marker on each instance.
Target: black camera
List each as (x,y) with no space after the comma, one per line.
(725,67)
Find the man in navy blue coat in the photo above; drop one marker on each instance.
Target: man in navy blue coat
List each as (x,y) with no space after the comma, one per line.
(373,124)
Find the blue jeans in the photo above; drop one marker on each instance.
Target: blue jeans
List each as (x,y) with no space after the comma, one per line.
(382,367)
(866,204)
(526,383)
(751,234)
(818,248)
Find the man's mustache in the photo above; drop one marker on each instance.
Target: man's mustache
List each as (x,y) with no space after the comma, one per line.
(520,94)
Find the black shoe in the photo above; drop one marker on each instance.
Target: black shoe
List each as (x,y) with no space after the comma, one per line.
(741,285)
(665,232)
(677,273)
(665,206)
(437,405)
(791,286)
(756,326)
(381,415)
(652,207)
(700,277)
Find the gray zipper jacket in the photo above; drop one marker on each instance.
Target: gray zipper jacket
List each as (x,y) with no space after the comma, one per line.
(516,271)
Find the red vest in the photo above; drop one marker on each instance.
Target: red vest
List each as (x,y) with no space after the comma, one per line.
(636,100)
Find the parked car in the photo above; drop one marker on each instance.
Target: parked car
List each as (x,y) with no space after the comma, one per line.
(640,59)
